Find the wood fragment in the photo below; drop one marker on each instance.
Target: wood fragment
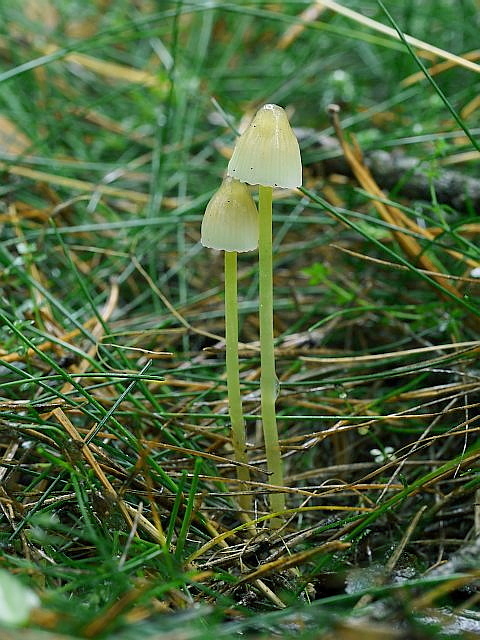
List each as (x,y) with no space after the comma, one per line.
(395,170)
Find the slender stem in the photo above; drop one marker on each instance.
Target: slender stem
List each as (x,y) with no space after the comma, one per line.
(268,380)
(233,376)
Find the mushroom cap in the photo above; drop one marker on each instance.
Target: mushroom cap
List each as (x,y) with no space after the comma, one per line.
(267,153)
(230,222)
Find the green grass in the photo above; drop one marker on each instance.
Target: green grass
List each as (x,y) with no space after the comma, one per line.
(118,503)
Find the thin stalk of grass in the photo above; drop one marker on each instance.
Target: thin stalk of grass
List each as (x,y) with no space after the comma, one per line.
(189,511)
(268,379)
(410,43)
(233,377)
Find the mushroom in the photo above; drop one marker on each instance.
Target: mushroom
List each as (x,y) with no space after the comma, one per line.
(267,154)
(230,224)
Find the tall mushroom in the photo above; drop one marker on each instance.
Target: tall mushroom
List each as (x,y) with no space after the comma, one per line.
(267,154)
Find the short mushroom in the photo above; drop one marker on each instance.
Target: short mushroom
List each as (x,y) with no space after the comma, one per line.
(230,224)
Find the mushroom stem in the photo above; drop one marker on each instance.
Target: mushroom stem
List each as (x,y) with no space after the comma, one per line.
(233,377)
(268,379)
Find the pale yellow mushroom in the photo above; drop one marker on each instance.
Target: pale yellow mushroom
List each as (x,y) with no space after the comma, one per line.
(230,222)
(267,153)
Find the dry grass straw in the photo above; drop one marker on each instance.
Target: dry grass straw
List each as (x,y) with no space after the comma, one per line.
(312,13)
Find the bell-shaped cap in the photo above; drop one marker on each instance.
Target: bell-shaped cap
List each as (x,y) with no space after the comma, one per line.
(230,222)
(267,153)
